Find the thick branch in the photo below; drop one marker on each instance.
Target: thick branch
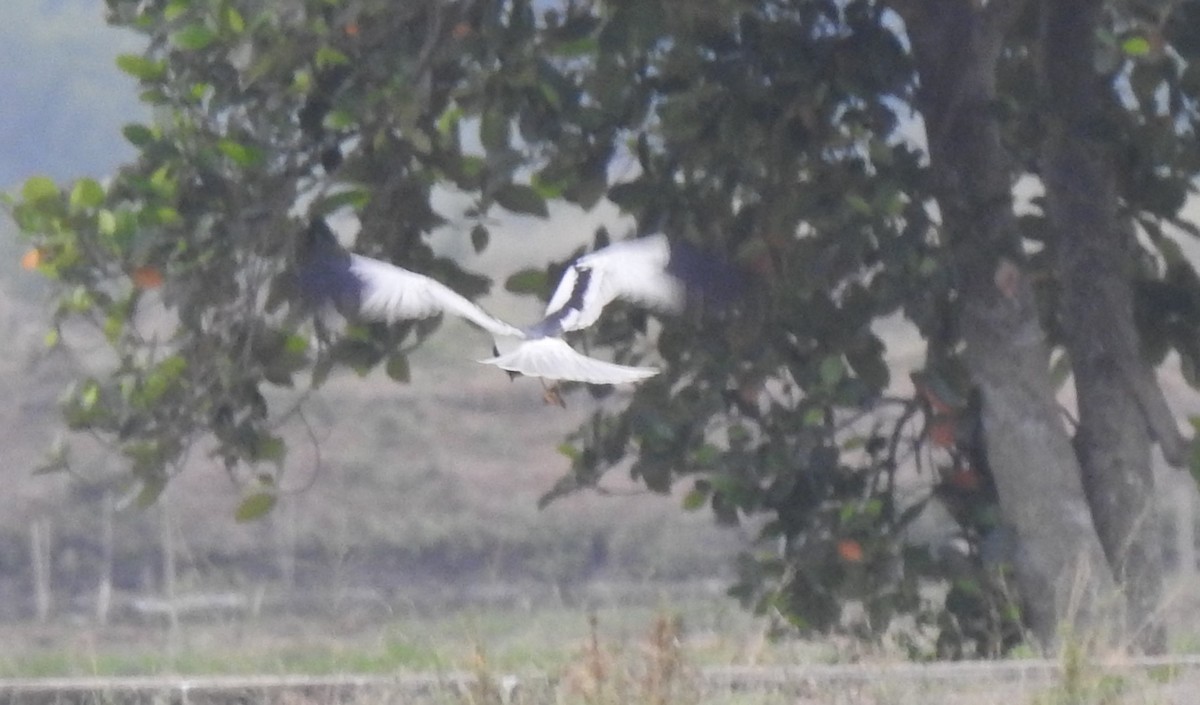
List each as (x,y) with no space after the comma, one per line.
(1119,399)
(956,46)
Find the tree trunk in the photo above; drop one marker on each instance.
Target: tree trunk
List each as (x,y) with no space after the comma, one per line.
(1060,565)
(1116,390)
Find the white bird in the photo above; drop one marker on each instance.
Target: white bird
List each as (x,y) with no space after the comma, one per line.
(390,293)
(376,290)
(649,271)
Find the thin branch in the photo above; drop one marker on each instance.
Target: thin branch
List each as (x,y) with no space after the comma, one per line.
(318,461)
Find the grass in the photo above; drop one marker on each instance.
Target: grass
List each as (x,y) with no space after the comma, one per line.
(656,663)
(715,631)
(653,653)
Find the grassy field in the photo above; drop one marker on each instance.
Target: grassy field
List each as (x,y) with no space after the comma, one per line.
(689,652)
(713,631)
(669,646)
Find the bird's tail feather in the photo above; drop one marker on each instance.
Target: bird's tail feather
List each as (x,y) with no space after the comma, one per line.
(552,358)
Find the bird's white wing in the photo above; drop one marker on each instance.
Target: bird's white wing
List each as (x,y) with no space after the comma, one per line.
(634,270)
(578,299)
(552,358)
(391,293)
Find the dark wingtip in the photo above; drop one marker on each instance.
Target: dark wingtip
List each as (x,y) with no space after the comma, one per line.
(323,270)
(512,376)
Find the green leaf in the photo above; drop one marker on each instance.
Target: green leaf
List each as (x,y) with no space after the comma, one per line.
(193,37)
(355,198)
(706,455)
(397,368)
(302,81)
(546,188)
(268,448)
(447,122)
(39,188)
(295,345)
(479,237)
(527,281)
(493,130)
(234,20)
(472,166)
(245,156)
(138,135)
(255,506)
(175,8)
(106,222)
(695,499)
(832,370)
(164,375)
(339,119)
(859,204)
(79,300)
(568,451)
(1136,46)
(114,324)
(89,396)
(519,198)
(328,56)
(163,183)
(165,215)
(86,193)
(577,47)
(140,67)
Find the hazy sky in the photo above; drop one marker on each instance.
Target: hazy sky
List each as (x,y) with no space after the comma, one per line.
(62,99)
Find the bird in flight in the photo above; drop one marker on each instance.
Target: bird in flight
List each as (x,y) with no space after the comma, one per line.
(373,289)
(650,271)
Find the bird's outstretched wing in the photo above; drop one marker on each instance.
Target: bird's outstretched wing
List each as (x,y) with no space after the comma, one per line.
(634,270)
(552,358)
(391,293)
(650,271)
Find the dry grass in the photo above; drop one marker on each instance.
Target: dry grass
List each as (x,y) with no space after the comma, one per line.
(659,666)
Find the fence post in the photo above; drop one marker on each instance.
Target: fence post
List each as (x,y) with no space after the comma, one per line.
(166,537)
(40,556)
(107,557)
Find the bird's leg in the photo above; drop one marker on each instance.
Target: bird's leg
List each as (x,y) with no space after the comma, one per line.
(552,395)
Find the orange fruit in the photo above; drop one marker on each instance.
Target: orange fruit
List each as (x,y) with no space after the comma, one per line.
(146,277)
(31,259)
(850,550)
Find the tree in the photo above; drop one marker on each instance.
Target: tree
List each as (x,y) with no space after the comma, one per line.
(786,136)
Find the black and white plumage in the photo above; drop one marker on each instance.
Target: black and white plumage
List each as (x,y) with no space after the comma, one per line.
(375,290)
(650,271)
